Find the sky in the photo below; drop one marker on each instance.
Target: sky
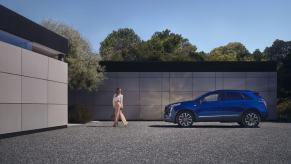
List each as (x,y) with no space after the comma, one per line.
(206,23)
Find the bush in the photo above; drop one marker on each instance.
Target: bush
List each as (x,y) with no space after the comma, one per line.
(79,114)
(284,109)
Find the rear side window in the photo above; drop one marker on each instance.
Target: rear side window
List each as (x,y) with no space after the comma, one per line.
(233,96)
(246,97)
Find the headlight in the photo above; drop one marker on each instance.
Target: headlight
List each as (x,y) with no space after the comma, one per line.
(174,105)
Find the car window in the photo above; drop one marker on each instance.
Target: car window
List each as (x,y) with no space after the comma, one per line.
(246,97)
(211,97)
(233,96)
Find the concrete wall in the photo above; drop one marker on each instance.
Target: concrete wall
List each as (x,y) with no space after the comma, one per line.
(146,93)
(33,90)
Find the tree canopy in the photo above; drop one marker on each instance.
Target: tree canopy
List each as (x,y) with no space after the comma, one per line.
(120,45)
(278,51)
(84,71)
(125,45)
(234,51)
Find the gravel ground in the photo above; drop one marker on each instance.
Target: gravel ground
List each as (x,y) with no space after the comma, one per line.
(152,142)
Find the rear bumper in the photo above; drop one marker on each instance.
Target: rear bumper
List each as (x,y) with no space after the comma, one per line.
(264,116)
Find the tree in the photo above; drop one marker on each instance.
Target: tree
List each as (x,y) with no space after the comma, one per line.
(84,70)
(234,51)
(168,46)
(258,55)
(278,51)
(120,45)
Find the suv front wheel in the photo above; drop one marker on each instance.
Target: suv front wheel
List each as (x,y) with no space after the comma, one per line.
(250,119)
(185,119)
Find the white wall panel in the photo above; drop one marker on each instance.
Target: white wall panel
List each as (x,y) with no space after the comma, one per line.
(150,98)
(10,58)
(129,98)
(234,74)
(150,84)
(58,71)
(180,84)
(218,83)
(257,84)
(10,118)
(272,84)
(127,74)
(34,116)
(34,64)
(10,88)
(234,83)
(34,90)
(203,74)
(57,115)
(203,84)
(128,84)
(181,74)
(150,74)
(180,96)
(57,93)
(257,74)
(103,98)
(165,98)
(151,112)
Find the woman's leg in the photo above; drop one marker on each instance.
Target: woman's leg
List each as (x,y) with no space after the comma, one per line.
(117,113)
(123,119)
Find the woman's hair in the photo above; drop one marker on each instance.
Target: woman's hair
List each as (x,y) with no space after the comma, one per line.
(117,91)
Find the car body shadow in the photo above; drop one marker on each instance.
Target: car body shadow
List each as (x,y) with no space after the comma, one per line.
(197,126)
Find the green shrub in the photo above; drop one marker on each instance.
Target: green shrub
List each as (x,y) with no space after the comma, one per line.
(284,109)
(79,114)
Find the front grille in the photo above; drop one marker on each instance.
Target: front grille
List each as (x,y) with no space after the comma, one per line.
(167,110)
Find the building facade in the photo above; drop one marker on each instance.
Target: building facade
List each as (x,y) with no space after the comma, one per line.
(149,86)
(33,82)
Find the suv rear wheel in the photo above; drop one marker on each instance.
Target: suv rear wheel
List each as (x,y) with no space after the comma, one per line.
(251,119)
(185,119)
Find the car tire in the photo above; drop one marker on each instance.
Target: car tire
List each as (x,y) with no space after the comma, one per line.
(185,119)
(251,119)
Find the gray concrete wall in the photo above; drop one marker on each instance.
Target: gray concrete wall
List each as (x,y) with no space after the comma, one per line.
(33,90)
(146,93)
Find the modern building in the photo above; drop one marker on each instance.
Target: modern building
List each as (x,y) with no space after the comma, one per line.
(149,86)
(33,82)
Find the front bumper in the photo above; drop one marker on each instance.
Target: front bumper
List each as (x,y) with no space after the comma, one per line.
(168,115)
(168,118)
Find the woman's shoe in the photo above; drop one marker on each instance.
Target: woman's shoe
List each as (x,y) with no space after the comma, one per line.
(115,124)
(126,124)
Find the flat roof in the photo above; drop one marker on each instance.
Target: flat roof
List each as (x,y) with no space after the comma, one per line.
(203,66)
(18,25)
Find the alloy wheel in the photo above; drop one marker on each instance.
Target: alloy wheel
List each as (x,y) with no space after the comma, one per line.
(185,119)
(251,119)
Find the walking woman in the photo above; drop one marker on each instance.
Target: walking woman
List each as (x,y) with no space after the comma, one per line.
(118,106)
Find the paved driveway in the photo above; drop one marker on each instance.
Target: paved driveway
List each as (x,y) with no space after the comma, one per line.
(152,142)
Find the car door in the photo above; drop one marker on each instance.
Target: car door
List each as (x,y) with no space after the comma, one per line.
(209,107)
(232,104)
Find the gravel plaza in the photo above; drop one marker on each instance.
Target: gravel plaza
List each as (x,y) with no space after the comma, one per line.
(152,142)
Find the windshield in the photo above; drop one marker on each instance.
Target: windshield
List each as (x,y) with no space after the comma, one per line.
(201,96)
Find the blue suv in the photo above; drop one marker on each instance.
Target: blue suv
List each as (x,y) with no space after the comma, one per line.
(245,107)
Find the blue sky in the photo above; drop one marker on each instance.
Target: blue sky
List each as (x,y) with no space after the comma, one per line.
(206,23)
